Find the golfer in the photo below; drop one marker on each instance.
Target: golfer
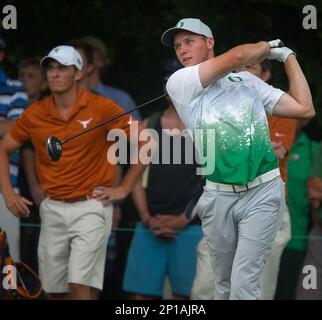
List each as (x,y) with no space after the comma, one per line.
(74,225)
(243,200)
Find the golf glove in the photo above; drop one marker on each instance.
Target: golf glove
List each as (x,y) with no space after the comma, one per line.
(278,51)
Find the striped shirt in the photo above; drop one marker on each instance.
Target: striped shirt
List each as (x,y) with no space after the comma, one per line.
(13,101)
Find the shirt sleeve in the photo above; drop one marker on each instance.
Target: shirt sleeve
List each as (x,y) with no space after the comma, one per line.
(20,129)
(269,95)
(184,86)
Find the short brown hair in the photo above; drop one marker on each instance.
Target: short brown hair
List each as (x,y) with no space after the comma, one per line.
(83,45)
(31,62)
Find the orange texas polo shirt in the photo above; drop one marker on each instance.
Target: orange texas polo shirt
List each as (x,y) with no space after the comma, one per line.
(83,164)
(282,130)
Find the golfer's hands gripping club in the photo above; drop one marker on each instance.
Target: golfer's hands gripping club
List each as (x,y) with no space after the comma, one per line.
(18,205)
(278,51)
(107,195)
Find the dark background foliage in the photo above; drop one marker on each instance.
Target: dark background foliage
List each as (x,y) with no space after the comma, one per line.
(132,30)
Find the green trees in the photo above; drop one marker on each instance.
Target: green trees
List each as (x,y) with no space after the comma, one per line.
(132,30)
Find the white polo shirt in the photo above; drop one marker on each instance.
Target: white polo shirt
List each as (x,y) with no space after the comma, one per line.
(229,115)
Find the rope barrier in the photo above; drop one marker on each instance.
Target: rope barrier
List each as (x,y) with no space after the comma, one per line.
(37,225)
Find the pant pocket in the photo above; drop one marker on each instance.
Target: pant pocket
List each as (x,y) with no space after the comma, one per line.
(206,202)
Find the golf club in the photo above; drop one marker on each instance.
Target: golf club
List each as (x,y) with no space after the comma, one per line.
(54,145)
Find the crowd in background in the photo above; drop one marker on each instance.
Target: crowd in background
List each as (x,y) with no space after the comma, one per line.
(141,262)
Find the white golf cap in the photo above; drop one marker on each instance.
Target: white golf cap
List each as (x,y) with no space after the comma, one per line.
(188,24)
(65,55)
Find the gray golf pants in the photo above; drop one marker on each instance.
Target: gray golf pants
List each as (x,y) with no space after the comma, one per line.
(239,229)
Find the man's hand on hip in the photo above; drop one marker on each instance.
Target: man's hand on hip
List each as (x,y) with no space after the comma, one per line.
(107,194)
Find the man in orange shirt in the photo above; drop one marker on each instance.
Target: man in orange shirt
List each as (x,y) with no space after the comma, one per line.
(282,133)
(75,225)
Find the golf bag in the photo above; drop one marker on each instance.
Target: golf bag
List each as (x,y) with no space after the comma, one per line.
(17,280)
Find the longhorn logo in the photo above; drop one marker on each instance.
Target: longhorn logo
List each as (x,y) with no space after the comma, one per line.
(85,123)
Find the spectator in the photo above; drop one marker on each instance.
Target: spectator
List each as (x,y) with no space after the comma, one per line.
(34,79)
(87,53)
(74,225)
(95,82)
(314,252)
(13,100)
(165,240)
(298,167)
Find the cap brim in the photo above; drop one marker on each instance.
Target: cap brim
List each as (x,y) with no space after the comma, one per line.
(168,36)
(45,60)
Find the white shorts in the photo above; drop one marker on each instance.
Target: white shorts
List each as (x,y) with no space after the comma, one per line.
(72,244)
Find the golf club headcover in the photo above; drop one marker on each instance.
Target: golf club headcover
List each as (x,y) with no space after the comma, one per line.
(278,51)
(24,282)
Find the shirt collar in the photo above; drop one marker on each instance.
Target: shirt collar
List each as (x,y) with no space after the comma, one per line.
(81,102)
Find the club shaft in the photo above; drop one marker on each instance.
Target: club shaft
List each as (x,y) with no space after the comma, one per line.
(112,119)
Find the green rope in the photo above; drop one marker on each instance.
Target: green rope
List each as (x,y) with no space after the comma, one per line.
(37,225)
